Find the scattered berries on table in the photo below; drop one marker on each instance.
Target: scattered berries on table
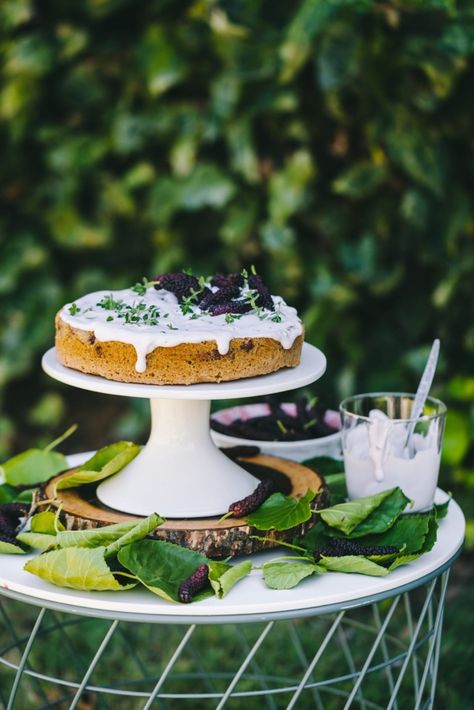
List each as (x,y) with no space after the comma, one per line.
(10,514)
(193,584)
(10,539)
(340,547)
(250,503)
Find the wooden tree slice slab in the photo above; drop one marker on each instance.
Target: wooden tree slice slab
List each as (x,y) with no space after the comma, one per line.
(80,509)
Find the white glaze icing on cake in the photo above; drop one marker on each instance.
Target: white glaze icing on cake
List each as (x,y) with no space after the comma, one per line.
(170,326)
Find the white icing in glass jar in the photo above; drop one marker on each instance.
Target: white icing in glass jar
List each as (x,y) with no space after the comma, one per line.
(374,442)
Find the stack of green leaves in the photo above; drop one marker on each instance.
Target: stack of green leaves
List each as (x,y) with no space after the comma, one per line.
(368,535)
(23,473)
(120,556)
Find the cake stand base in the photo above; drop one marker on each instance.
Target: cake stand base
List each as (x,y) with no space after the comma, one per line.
(179,473)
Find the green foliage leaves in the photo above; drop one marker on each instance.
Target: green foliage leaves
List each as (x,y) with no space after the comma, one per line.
(80,562)
(281,512)
(160,566)
(35,466)
(223,576)
(76,568)
(353,564)
(286,575)
(374,521)
(457,437)
(371,514)
(206,186)
(104,463)
(9,548)
(360,180)
(160,61)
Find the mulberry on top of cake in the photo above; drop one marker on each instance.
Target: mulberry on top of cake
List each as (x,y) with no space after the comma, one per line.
(182,285)
(234,294)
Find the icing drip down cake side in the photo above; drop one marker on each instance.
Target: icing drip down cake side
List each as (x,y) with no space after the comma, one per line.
(180,329)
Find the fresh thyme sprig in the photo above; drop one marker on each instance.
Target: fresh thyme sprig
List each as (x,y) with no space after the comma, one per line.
(136,314)
(141,287)
(190,302)
(108,303)
(251,298)
(231,317)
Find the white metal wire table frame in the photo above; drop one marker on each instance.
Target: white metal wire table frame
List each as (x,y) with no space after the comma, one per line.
(376,652)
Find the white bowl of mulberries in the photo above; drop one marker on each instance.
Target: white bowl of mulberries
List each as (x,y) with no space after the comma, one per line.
(299,430)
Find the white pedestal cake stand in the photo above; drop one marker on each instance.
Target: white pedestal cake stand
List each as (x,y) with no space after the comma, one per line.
(180,473)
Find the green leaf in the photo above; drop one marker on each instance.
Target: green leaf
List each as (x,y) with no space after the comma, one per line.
(33,466)
(161,566)
(315,538)
(426,546)
(337,487)
(309,20)
(41,541)
(207,186)
(281,512)
(336,61)
(36,465)
(403,559)
(7,493)
(409,532)
(461,388)
(325,465)
(97,537)
(441,509)
(139,531)
(46,522)
(457,437)
(384,516)
(242,150)
(353,564)
(347,516)
(162,64)
(223,576)
(103,464)
(286,575)
(418,154)
(360,180)
(26,496)
(77,568)
(432,534)
(288,186)
(7,548)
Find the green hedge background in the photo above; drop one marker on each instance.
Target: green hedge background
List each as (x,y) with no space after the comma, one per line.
(329,143)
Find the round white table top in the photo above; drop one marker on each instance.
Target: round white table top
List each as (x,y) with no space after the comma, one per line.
(250,599)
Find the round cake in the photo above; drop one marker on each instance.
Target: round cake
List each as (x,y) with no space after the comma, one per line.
(180,329)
